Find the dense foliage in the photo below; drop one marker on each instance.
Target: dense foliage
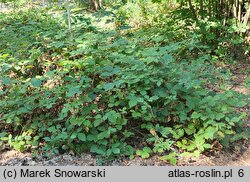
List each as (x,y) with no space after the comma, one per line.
(122,91)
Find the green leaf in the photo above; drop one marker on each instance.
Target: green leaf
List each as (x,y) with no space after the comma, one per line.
(73,135)
(235,119)
(97,122)
(180,133)
(112,116)
(136,114)
(52,129)
(241,104)
(36,82)
(185,154)
(224,108)
(145,153)
(82,137)
(116,150)
(86,123)
(72,91)
(147,149)
(207,146)
(91,137)
(97,149)
(190,129)
(196,115)
(139,152)
(132,103)
(219,116)
(171,158)
(210,132)
(196,153)
(108,86)
(6,80)
(154,98)
(199,140)
(103,135)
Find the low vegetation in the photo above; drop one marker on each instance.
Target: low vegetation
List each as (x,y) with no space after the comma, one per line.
(154,82)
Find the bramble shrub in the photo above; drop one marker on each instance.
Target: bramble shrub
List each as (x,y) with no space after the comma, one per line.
(107,92)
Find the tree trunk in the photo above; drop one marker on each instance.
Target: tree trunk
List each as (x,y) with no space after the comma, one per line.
(192,9)
(201,9)
(246,17)
(95,4)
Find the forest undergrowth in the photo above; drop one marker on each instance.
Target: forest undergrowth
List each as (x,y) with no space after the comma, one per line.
(121,83)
